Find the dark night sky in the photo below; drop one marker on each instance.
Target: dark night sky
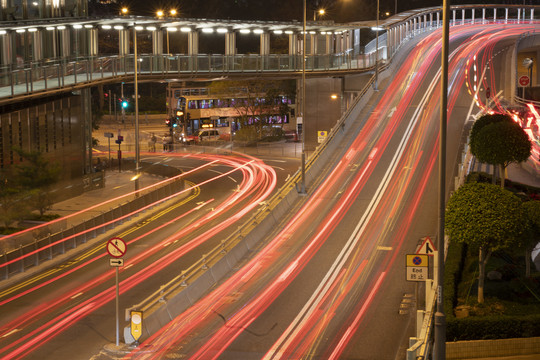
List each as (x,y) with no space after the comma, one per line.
(285,10)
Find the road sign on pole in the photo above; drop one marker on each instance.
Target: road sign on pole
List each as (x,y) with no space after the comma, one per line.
(116,247)
(427,247)
(136,324)
(116,262)
(524,80)
(417,267)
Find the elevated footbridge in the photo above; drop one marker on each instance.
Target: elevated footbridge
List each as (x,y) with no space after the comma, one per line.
(66,56)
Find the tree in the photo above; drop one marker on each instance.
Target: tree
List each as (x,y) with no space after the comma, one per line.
(498,140)
(532,214)
(487,218)
(12,205)
(35,175)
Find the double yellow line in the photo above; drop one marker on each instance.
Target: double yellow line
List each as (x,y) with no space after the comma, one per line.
(100,247)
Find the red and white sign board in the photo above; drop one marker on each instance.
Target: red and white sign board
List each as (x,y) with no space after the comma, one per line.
(116,247)
(524,80)
(427,247)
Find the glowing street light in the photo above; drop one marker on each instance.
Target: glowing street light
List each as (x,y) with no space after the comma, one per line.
(159,13)
(124,10)
(173,12)
(321,12)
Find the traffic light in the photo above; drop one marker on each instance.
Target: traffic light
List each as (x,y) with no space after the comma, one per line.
(168,122)
(179,118)
(125,104)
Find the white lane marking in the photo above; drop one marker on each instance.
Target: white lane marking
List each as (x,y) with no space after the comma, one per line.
(277,350)
(76,295)
(11,332)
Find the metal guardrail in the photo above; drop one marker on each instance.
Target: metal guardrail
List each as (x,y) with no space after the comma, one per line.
(51,76)
(46,76)
(55,239)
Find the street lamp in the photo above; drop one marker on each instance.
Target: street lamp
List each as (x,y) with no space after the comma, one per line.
(173,12)
(159,13)
(124,10)
(439,346)
(136,85)
(377,51)
(303,183)
(321,12)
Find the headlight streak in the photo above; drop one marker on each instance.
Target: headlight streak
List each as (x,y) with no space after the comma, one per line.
(203,310)
(352,328)
(105,203)
(414,206)
(32,315)
(266,177)
(31,253)
(277,242)
(58,269)
(182,326)
(239,167)
(237,327)
(282,348)
(486,45)
(402,231)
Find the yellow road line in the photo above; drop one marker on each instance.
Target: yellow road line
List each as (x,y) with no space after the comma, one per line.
(99,247)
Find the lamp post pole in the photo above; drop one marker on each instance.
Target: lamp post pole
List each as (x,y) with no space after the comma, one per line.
(377,51)
(439,348)
(136,76)
(303,184)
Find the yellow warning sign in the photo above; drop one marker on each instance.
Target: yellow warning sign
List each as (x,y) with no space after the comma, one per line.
(136,324)
(322,135)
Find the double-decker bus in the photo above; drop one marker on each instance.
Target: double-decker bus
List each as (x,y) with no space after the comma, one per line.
(194,109)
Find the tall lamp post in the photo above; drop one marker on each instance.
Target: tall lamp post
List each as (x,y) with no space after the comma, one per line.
(303,184)
(321,12)
(136,76)
(439,348)
(377,51)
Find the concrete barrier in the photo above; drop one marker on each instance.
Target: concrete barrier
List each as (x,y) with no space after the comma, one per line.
(493,348)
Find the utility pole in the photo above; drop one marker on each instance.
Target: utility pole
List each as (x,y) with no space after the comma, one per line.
(136,76)
(439,348)
(303,172)
(377,51)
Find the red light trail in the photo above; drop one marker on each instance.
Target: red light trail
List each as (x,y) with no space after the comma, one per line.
(302,337)
(258,182)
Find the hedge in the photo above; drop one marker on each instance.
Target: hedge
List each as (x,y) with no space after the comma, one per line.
(486,327)
(452,275)
(492,327)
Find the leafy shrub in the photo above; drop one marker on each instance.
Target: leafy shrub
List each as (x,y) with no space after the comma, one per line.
(453,269)
(492,327)
(246,133)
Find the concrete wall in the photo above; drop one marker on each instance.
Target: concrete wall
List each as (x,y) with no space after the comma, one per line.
(492,348)
(322,112)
